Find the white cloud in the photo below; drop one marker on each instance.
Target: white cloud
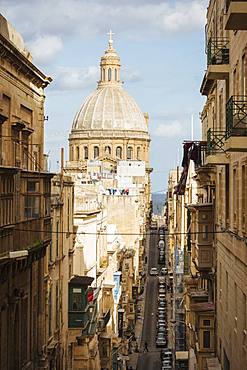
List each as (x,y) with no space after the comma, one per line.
(169,130)
(69,78)
(137,19)
(45,48)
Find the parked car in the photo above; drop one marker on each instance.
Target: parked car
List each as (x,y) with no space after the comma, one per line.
(161,340)
(153,271)
(164,271)
(161,244)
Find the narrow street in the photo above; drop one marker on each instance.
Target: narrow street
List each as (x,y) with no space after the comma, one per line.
(150,360)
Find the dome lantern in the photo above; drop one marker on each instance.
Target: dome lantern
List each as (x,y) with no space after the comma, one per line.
(110,65)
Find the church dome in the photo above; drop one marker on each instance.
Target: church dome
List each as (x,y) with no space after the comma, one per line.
(109,107)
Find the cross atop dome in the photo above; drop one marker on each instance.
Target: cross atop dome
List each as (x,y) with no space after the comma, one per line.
(110,42)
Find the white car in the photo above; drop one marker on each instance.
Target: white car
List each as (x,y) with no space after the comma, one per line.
(153,271)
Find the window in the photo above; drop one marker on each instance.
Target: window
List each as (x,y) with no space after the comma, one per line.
(129,152)
(103,74)
(85,152)
(25,153)
(116,75)
(96,152)
(206,339)
(109,74)
(119,152)
(235,197)
(138,153)
(227,291)
(227,197)
(31,206)
(77,153)
(50,313)
(107,150)
(243,191)
(206,323)
(57,238)
(57,304)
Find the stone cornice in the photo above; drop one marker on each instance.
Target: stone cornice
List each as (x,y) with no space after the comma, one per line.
(9,52)
(101,134)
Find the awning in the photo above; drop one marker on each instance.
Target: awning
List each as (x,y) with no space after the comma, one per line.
(82,280)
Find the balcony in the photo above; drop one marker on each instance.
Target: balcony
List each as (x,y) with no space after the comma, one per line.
(216,148)
(207,85)
(203,248)
(236,124)
(218,59)
(236,15)
(217,64)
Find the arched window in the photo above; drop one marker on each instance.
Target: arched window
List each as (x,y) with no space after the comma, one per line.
(109,74)
(115,74)
(138,153)
(96,151)
(119,152)
(85,152)
(103,74)
(129,152)
(72,152)
(107,150)
(77,153)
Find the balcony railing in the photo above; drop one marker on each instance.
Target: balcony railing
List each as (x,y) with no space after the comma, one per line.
(215,141)
(236,116)
(218,51)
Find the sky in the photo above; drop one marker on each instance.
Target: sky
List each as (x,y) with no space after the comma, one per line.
(161,46)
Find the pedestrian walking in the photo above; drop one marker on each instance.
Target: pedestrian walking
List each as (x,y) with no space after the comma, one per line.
(145,347)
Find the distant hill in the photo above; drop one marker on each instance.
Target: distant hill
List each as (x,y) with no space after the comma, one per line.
(158,203)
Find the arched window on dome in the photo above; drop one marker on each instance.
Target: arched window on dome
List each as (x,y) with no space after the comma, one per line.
(72,152)
(95,151)
(138,153)
(77,153)
(115,74)
(107,150)
(85,152)
(129,152)
(103,74)
(119,152)
(109,74)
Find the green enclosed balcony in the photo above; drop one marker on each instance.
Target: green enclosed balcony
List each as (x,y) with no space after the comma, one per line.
(236,124)
(236,15)
(82,314)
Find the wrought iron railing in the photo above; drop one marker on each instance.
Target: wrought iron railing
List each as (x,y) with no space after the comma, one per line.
(218,51)
(236,116)
(215,141)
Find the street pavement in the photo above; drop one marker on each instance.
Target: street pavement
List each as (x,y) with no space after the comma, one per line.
(150,360)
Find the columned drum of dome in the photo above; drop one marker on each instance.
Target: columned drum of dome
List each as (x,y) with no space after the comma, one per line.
(109,117)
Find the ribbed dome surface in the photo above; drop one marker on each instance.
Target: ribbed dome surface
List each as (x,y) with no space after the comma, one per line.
(110,108)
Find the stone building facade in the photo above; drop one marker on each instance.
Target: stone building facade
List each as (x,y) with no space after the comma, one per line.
(58,272)
(224,118)
(25,218)
(215,298)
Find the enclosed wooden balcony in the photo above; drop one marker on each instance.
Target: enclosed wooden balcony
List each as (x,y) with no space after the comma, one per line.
(236,15)
(236,124)
(203,235)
